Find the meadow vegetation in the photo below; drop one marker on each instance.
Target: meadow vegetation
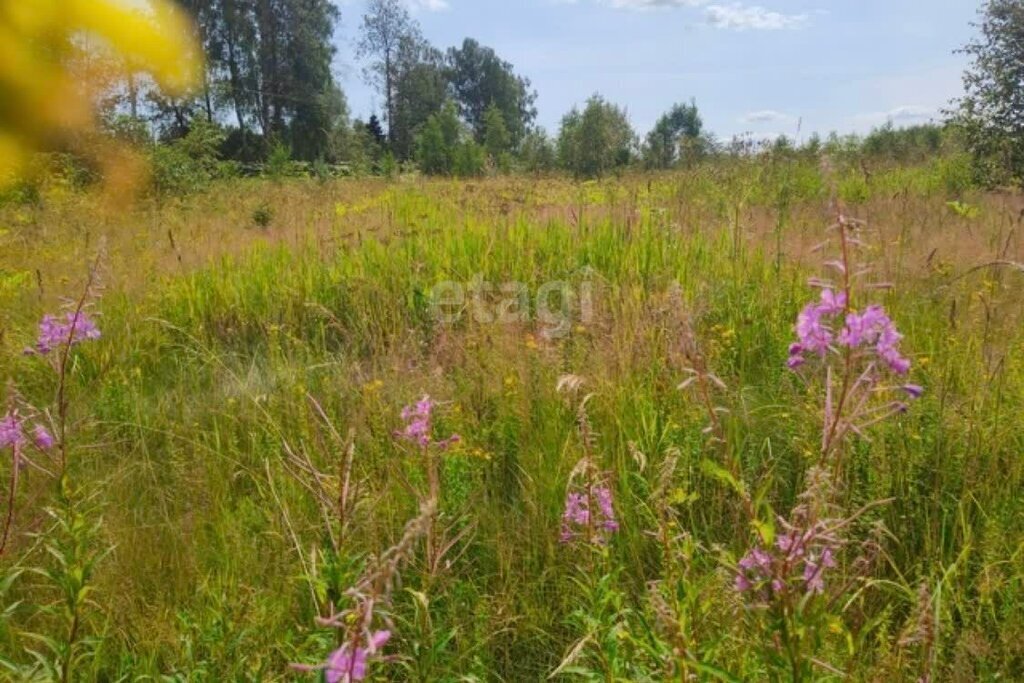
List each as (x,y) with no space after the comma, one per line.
(237,453)
(289,396)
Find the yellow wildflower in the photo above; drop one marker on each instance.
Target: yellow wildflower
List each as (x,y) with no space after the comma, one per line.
(39,42)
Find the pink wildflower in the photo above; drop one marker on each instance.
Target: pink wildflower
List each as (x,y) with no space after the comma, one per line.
(346,665)
(832,303)
(419,425)
(814,335)
(42,438)
(11,432)
(75,328)
(798,557)
(874,328)
(870,328)
(913,390)
(577,521)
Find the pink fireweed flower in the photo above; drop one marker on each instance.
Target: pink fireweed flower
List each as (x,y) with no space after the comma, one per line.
(799,558)
(873,328)
(607,508)
(870,330)
(832,303)
(814,571)
(896,362)
(913,390)
(577,521)
(346,664)
(814,334)
(812,326)
(12,434)
(795,361)
(791,544)
(419,425)
(75,328)
(753,569)
(42,438)
(577,514)
(866,327)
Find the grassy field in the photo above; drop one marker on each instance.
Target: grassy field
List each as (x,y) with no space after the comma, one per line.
(261,330)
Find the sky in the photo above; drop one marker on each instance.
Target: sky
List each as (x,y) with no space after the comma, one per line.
(760,67)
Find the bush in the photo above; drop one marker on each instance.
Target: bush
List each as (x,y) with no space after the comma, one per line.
(279,161)
(189,163)
(263,215)
(388,165)
(470,160)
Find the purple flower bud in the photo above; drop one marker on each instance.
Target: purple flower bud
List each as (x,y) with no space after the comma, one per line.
(43,438)
(897,363)
(445,444)
(913,390)
(11,433)
(813,577)
(790,543)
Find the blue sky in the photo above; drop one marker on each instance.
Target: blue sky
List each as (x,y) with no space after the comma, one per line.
(757,66)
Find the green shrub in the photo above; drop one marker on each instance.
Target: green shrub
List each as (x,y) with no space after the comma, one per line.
(189,163)
(279,161)
(263,214)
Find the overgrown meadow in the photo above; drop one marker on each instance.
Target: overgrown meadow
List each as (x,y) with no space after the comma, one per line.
(282,453)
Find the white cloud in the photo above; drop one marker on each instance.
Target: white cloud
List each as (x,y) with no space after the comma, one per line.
(735,16)
(767,116)
(655,4)
(738,17)
(771,136)
(413,5)
(910,112)
(430,5)
(904,114)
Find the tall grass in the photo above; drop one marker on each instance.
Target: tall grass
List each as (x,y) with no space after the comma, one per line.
(217,331)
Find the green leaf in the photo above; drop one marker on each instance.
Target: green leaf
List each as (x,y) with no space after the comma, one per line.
(722,475)
(713,671)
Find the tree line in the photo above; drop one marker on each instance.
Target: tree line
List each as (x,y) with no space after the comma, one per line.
(269,95)
(269,91)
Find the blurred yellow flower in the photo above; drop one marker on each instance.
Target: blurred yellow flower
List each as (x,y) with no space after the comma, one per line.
(41,98)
